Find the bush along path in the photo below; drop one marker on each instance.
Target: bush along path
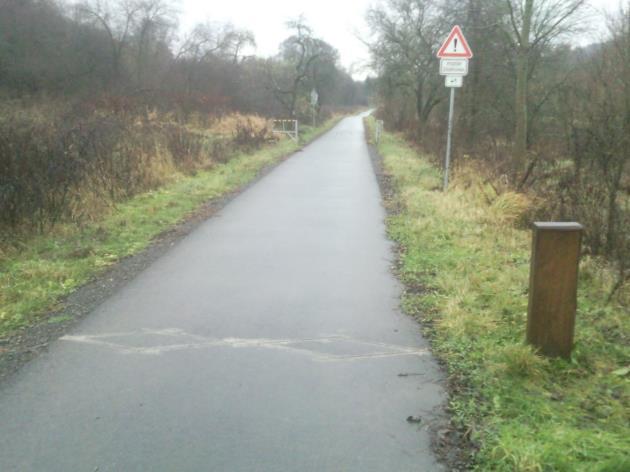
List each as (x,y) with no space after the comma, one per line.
(38,273)
(465,264)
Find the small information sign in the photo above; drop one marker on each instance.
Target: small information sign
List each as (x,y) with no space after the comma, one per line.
(454,67)
(454,81)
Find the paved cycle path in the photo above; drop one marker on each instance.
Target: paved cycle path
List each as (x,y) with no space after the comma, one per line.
(269,339)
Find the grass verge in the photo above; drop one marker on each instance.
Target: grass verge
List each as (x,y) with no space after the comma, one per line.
(466,268)
(35,277)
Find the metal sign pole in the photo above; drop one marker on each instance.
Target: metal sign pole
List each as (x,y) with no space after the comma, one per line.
(449,138)
(314,102)
(454,55)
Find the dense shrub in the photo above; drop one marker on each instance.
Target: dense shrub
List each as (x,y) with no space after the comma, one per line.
(38,169)
(185,147)
(251,133)
(72,165)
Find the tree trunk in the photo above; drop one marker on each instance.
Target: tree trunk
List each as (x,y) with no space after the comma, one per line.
(293,102)
(522,68)
(611,232)
(472,91)
(420,110)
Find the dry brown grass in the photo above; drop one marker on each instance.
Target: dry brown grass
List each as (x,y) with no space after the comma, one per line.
(502,204)
(228,125)
(58,165)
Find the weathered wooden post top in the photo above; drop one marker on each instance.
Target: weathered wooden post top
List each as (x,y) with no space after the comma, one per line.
(553,287)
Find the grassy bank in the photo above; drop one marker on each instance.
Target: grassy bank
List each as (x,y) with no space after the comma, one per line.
(35,276)
(466,268)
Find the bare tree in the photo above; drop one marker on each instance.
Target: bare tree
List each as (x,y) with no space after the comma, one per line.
(407,35)
(153,28)
(301,53)
(133,27)
(116,20)
(208,42)
(530,26)
(127,48)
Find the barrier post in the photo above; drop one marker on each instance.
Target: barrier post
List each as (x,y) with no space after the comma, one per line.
(553,287)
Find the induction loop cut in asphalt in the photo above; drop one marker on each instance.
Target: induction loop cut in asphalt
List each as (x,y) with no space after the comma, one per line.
(326,349)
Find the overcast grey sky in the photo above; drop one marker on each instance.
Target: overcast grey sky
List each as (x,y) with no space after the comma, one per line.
(335,21)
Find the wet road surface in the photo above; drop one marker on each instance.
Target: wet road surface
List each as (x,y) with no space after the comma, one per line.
(269,339)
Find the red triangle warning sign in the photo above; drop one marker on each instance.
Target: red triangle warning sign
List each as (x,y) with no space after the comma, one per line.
(455,46)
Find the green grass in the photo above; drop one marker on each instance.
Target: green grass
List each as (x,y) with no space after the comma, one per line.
(467,270)
(36,276)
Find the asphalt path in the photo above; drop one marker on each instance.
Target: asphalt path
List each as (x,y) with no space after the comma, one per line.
(269,339)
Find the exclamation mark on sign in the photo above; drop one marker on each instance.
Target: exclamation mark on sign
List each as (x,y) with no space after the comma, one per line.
(455,48)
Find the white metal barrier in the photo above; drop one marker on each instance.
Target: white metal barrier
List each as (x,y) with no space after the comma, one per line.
(288,127)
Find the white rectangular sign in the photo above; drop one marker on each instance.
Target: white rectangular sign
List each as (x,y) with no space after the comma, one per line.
(454,67)
(454,81)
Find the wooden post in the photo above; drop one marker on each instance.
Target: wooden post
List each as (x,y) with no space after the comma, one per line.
(553,287)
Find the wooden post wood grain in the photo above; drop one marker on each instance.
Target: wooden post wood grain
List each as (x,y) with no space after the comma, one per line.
(553,287)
